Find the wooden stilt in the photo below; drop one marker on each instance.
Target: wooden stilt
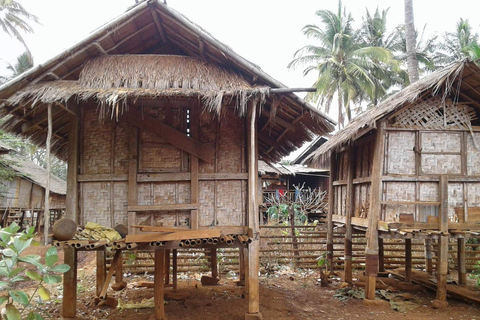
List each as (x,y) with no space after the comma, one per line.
(349,213)
(331,212)
(101,270)
(167,266)
(408,260)
(69,307)
(119,268)
(428,256)
(46,226)
(132,178)
(175,269)
(159,284)
(71,202)
(253,216)
(371,251)
(462,268)
(381,256)
(442,261)
(213,262)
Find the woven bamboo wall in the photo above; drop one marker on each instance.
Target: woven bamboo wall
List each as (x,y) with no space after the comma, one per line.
(473,154)
(400,157)
(105,151)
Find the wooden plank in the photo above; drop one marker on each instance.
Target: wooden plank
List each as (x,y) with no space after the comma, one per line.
(170,134)
(173,236)
(332,216)
(164,207)
(175,269)
(408,260)
(426,203)
(102,177)
(185,176)
(46,212)
(159,279)
(101,270)
(158,228)
(71,201)
(349,214)
(132,176)
(213,262)
(371,251)
(111,271)
(253,212)
(462,268)
(69,302)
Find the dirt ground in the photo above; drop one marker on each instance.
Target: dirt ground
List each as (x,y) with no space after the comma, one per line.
(284,294)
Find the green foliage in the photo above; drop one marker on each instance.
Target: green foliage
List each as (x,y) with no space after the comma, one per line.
(16,269)
(280,213)
(476,274)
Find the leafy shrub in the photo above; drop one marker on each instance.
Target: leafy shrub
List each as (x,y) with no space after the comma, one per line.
(15,270)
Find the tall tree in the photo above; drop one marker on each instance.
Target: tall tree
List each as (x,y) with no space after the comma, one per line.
(343,65)
(412,62)
(463,43)
(13,20)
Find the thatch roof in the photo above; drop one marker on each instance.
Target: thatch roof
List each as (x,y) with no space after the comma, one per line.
(29,170)
(151,52)
(459,81)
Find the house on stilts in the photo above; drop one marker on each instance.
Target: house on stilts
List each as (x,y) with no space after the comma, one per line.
(409,168)
(162,126)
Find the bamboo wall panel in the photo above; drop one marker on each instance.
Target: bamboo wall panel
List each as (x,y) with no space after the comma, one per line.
(229,204)
(122,132)
(163,193)
(473,154)
(473,194)
(159,158)
(428,192)
(144,192)
(441,164)
(96,203)
(400,152)
(57,201)
(229,158)
(24,194)
(38,196)
(441,141)
(208,135)
(9,195)
(455,198)
(97,145)
(206,206)
(120,202)
(363,159)
(398,191)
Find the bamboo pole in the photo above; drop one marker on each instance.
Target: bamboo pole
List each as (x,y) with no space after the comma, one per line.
(46,215)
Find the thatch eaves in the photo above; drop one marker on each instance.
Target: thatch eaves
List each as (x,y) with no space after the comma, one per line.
(460,81)
(153,28)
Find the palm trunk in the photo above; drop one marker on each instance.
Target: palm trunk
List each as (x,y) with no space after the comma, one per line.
(340,110)
(412,62)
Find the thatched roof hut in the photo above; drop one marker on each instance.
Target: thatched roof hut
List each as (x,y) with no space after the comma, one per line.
(408,169)
(162,126)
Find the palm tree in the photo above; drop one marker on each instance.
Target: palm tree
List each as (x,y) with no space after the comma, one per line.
(373,33)
(343,65)
(412,62)
(13,18)
(22,64)
(463,43)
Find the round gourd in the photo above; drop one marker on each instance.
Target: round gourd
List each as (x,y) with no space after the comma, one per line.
(64,229)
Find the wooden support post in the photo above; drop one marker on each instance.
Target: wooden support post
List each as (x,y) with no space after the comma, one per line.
(243,252)
(132,178)
(349,213)
(175,269)
(159,284)
(71,202)
(428,256)
(381,256)
(119,268)
(331,210)
(462,268)
(253,216)
(408,260)
(442,261)
(101,270)
(213,262)
(371,251)
(167,266)
(46,225)
(194,189)
(69,306)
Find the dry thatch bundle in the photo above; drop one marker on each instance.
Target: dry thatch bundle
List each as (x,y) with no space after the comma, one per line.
(111,80)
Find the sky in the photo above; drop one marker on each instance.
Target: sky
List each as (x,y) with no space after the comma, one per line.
(266,32)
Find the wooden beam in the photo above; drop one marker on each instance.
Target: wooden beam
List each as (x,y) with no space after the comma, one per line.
(253,212)
(164,207)
(159,279)
(279,121)
(132,177)
(350,203)
(371,251)
(170,134)
(99,47)
(442,261)
(71,201)
(102,177)
(408,260)
(101,270)
(69,301)
(46,214)
(173,236)
(331,208)
(159,26)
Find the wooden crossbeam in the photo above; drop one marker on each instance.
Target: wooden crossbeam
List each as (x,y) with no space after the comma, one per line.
(170,134)
(173,236)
